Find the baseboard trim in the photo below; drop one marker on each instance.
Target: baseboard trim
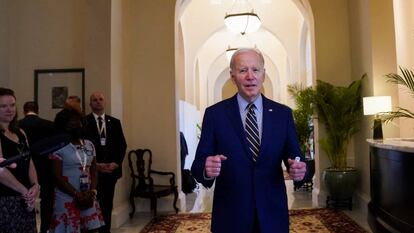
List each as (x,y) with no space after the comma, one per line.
(120,213)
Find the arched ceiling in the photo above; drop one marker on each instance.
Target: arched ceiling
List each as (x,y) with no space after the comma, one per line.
(205,39)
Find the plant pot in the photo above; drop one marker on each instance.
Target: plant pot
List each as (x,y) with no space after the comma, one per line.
(340,183)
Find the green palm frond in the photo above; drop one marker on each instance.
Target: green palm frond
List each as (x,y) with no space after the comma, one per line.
(407,79)
(294,89)
(400,113)
(339,110)
(303,112)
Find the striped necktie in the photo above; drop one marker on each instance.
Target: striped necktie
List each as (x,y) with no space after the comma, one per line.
(252,131)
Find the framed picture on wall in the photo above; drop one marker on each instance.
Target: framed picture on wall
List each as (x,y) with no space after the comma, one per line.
(53,86)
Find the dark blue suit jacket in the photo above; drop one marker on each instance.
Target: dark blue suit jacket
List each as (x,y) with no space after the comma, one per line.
(115,148)
(244,186)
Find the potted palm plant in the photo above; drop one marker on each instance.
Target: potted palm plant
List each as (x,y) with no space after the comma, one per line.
(302,114)
(304,128)
(339,110)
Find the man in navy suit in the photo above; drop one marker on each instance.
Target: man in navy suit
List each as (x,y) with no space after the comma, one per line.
(250,193)
(106,134)
(37,128)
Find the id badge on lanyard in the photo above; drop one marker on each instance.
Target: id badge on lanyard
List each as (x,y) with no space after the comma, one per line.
(84,184)
(84,181)
(102,134)
(103,141)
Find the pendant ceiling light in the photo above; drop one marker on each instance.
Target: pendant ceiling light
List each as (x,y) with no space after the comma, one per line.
(239,41)
(241,18)
(242,22)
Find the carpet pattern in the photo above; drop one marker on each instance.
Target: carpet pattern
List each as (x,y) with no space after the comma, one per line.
(303,221)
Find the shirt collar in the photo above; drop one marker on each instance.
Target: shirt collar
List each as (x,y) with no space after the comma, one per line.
(258,102)
(96,116)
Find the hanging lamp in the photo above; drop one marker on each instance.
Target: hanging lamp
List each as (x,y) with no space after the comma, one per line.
(242,23)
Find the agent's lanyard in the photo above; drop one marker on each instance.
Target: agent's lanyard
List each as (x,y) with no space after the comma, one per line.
(83,163)
(101,126)
(102,129)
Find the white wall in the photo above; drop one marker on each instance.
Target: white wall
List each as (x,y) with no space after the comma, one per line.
(404,25)
(43,34)
(189,119)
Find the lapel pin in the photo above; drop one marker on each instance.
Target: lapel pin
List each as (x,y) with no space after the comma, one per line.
(270,110)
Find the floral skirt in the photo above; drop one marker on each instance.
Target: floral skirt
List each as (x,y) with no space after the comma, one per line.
(68,218)
(14,218)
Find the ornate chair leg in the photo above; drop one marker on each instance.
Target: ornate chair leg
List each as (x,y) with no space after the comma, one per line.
(132,203)
(154,206)
(175,200)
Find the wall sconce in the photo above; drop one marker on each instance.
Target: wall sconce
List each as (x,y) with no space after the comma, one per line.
(377,105)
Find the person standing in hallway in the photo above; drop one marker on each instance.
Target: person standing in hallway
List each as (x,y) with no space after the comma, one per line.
(106,133)
(72,102)
(243,142)
(37,128)
(74,169)
(19,186)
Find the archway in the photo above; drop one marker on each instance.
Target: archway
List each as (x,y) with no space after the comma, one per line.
(200,46)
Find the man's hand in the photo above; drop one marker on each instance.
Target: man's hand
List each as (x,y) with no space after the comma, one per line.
(297,170)
(213,165)
(106,167)
(102,167)
(112,166)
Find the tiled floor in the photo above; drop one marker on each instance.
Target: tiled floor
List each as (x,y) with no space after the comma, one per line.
(297,200)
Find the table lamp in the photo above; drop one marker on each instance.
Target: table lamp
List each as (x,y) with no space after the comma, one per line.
(377,105)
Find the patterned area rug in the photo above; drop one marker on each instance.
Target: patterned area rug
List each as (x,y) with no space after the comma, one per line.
(303,221)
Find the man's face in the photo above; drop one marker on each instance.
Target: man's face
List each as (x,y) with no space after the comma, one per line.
(97,102)
(248,75)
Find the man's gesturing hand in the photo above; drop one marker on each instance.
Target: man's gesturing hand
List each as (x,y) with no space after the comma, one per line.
(297,170)
(213,165)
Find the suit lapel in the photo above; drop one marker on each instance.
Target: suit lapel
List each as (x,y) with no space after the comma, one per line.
(267,116)
(107,127)
(93,126)
(234,116)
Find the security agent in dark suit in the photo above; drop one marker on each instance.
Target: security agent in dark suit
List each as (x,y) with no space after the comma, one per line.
(36,129)
(106,134)
(242,147)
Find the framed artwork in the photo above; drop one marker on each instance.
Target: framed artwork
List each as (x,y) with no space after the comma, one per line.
(53,86)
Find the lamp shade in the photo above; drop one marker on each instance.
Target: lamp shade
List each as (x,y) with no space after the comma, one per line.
(242,22)
(376,104)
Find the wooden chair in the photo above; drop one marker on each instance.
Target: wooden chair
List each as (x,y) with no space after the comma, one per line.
(143,185)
